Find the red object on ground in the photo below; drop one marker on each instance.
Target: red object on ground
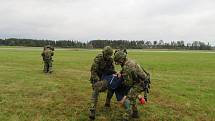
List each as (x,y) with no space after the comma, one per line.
(142,100)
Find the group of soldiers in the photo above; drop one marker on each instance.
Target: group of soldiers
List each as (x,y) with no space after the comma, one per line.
(127,85)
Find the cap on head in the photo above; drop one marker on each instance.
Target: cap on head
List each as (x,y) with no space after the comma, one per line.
(107,51)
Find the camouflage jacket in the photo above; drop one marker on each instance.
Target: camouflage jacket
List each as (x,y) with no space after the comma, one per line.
(47,54)
(132,73)
(101,67)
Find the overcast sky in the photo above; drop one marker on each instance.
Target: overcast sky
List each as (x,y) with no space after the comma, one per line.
(168,20)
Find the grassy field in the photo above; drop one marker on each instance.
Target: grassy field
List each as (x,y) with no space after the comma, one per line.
(183,86)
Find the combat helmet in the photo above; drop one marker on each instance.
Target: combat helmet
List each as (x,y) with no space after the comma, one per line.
(120,55)
(107,51)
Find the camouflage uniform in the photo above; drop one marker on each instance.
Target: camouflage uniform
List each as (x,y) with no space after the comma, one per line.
(133,76)
(103,65)
(47,59)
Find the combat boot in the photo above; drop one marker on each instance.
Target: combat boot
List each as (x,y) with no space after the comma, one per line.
(135,114)
(92,114)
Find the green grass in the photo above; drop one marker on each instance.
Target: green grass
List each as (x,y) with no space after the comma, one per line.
(183,86)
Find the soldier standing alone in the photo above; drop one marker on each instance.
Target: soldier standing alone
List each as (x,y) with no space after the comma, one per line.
(47,54)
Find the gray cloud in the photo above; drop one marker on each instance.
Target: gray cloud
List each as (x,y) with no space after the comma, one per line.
(113,19)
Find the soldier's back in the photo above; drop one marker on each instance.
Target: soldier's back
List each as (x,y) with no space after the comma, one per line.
(47,54)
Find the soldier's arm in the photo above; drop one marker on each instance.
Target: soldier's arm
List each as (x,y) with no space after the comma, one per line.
(140,72)
(52,54)
(126,74)
(43,55)
(95,69)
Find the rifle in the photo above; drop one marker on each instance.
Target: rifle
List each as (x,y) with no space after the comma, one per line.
(146,84)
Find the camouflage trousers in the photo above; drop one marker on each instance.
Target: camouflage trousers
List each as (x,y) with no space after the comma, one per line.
(47,66)
(131,98)
(98,87)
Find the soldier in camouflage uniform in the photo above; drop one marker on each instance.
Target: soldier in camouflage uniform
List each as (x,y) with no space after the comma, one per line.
(103,65)
(47,54)
(133,76)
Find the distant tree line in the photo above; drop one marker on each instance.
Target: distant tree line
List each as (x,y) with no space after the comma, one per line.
(129,44)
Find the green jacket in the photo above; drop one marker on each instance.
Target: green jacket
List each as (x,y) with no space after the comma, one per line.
(101,67)
(132,73)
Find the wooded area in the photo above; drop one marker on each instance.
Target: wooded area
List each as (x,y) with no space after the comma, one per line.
(129,44)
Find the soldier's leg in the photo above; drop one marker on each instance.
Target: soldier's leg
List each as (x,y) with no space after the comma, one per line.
(131,111)
(98,87)
(132,97)
(94,100)
(128,110)
(45,67)
(50,67)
